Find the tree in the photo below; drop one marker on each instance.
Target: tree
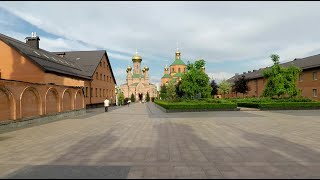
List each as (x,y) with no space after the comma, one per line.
(224,87)
(171,91)
(148,97)
(240,85)
(163,91)
(280,80)
(179,93)
(195,82)
(214,87)
(121,98)
(133,98)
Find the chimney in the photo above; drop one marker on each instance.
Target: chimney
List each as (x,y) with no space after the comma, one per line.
(249,71)
(33,40)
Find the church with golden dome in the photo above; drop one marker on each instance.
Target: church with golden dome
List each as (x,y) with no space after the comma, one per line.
(177,69)
(138,82)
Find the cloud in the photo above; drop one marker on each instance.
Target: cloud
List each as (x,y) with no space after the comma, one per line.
(237,36)
(219,76)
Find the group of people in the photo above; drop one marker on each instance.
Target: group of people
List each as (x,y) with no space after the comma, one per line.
(107,104)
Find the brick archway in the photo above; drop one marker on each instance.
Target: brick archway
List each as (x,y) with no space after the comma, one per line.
(67,104)
(30,103)
(52,101)
(79,100)
(7,105)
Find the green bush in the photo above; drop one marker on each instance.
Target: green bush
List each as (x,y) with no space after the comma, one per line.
(195,105)
(281,105)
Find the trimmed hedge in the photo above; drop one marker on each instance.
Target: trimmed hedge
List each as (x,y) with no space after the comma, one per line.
(282,105)
(196,105)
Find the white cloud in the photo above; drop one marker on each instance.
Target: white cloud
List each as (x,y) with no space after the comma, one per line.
(219,32)
(219,76)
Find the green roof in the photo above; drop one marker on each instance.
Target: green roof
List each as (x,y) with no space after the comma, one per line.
(166,76)
(134,84)
(137,76)
(178,74)
(178,62)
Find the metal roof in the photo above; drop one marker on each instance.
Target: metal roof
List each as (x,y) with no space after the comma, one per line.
(89,60)
(303,63)
(45,60)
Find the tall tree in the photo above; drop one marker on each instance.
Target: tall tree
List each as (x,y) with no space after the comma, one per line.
(280,80)
(240,85)
(148,97)
(163,91)
(224,87)
(214,87)
(179,93)
(195,82)
(133,98)
(121,98)
(171,91)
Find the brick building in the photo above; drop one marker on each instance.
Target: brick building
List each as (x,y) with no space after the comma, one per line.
(308,82)
(35,82)
(97,66)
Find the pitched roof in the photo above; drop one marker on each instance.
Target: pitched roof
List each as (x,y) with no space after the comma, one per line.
(166,76)
(89,60)
(303,63)
(48,62)
(178,74)
(178,62)
(137,76)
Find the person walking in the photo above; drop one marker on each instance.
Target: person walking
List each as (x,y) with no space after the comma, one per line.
(106,105)
(129,101)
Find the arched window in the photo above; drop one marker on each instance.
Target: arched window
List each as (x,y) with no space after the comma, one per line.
(101,77)
(97,75)
(178,69)
(104,77)
(107,78)
(104,64)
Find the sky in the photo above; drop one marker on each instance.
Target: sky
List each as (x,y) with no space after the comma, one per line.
(232,37)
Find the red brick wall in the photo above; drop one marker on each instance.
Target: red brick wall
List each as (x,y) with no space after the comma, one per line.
(106,84)
(306,85)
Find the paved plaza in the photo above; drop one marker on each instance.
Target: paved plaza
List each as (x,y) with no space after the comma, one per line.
(141,141)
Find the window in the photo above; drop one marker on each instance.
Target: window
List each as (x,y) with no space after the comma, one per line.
(104,64)
(96,92)
(300,77)
(91,89)
(86,91)
(172,69)
(314,75)
(104,95)
(100,92)
(110,79)
(100,64)
(315,92)
(101,77)
(107,78)
(97,75)
(104,77)
(178,69)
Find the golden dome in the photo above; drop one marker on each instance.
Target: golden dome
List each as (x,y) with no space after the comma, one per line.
(129,68)
(143,70)
(146,68)
(136,57)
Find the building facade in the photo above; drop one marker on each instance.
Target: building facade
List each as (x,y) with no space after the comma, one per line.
(308,82)
(35,82)
(175,71)
(102,83)
(137,81)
